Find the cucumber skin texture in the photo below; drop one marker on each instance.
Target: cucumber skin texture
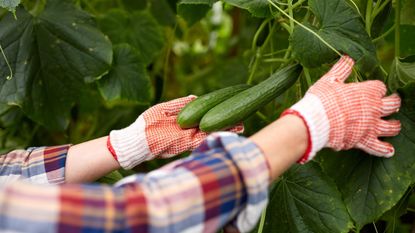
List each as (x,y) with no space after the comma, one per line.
(245,103)
(193,112)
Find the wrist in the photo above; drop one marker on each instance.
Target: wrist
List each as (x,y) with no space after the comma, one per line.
(130,144)
(312,112)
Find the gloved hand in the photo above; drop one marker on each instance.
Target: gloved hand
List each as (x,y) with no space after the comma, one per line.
(155,133)
(347,115)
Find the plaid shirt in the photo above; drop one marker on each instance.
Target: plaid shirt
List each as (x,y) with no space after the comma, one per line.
(223,182)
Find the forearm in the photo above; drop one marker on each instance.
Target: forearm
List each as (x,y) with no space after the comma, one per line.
(283,142)
(88,161)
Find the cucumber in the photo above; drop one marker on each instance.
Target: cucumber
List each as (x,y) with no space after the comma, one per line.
(190,115)
(245,103)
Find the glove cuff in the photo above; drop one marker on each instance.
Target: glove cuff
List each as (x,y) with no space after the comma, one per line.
(311,110)
(130,144)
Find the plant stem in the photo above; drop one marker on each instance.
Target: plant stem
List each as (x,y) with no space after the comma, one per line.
(307,76)
(368,18)
(397,28)
(262,221)
(306,28)
(8,64)
(286,27)
(258,32)
(389,31)
(291,13)
(377,10)
(275,53)
(275,60)
(252,73)
(374,226)
(297,4)
(357,8)
(258,53)
(263,117)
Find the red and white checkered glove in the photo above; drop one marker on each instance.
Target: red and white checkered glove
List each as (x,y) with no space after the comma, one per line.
(156,133)
(347,115)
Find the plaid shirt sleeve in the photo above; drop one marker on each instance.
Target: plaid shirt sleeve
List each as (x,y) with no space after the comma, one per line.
(224,181)
(42,165)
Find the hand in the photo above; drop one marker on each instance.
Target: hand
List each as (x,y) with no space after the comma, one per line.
(156,133)
(347,115)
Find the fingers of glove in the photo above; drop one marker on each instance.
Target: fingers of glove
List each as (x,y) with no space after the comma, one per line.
(197,139)
(173,107)
(374,146)
(388,128)
(341,70)
(390,104)
(372,88)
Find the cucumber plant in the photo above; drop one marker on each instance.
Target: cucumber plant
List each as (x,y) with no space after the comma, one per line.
(73,70)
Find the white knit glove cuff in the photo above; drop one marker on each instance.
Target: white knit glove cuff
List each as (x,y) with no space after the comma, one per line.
(130,144)
(313,112)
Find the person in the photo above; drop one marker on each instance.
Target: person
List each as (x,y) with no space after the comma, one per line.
(224,182)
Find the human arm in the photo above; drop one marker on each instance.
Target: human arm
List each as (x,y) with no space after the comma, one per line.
(337,115)
(155,134)
(201,192)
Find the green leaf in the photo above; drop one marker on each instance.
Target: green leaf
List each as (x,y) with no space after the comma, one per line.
(407,12)
(341,26)
(193,10)
(399,209)
(407,39)
(138,28)
(306,200)
(370,185)
(10,5)
(52,55)
(258,8)
(402,72)
(127,79)
(163,12)
(111,178)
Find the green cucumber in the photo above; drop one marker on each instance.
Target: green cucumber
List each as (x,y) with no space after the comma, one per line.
(190,115)
(245,103)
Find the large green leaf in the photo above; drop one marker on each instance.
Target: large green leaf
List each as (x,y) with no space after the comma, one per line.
(402,72)
(258,8)
(52,55)
(127,79)
(137,28)
(193,10)
(407,12)
(163,12)
(306,200)
(342,27)
(407,39)
(10,5)
(370,186)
